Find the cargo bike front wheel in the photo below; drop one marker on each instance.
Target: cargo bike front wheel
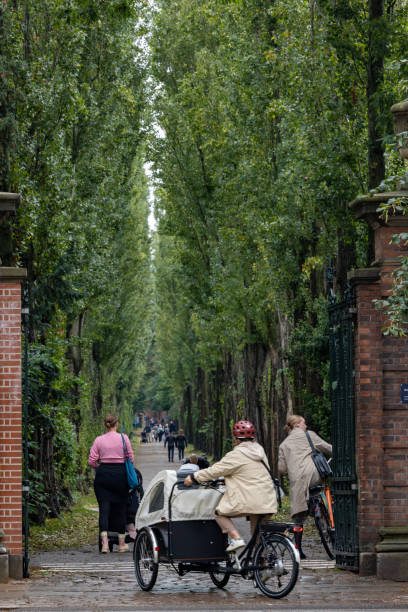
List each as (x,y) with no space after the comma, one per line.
(145,566)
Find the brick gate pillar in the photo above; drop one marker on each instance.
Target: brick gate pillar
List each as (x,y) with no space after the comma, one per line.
(10,396)
(10,415)
(381,367)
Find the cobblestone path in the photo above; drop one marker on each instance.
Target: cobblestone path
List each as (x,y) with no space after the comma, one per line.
(84,580)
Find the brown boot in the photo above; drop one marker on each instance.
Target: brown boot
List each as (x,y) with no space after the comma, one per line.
(123,547)
(104,541)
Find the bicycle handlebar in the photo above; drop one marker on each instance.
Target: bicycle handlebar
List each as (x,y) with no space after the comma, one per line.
(212,483)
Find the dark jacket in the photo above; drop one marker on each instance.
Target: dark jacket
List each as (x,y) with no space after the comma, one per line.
(181,441)
(169,440)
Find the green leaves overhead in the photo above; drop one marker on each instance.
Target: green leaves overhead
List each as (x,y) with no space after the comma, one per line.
(75,103)
(263,141)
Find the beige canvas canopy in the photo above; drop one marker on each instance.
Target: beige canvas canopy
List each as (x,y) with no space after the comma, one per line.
(193,504)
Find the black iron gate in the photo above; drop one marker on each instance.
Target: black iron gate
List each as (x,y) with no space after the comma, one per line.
(341,329)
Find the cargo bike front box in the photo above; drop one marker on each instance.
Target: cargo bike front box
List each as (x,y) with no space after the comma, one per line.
(180,523)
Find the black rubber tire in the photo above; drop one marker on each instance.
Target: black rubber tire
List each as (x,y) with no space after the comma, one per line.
(279,560)
(326,532)
(219,582)
(145,568)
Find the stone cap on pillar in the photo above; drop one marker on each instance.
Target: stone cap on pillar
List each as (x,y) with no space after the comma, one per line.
(364,276)
(366,208)
(12,275)
(9,202)
(387,251)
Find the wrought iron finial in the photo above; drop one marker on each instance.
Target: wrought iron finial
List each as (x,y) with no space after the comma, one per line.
(348,294)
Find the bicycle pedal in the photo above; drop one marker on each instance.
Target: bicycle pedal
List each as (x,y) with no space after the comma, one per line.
(238,562)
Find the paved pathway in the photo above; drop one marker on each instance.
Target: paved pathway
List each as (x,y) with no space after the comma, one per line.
(87,581)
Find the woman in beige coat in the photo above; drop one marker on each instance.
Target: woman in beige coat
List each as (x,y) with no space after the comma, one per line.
(249,487)
(295,459)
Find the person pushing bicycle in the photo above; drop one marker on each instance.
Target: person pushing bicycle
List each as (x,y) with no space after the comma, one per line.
(249,487)
(295,460)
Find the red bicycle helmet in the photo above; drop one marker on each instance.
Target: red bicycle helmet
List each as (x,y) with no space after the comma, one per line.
(243,429)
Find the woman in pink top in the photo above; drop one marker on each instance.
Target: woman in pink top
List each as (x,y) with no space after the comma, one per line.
(111,486)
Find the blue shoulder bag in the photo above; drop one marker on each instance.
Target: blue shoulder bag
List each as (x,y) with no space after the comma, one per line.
(130,470)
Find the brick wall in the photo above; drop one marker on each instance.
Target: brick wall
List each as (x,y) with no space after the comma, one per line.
(10,411)
(395,432)
(369,399)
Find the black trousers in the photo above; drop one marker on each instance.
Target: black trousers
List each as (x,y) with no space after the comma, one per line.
(111,490)
(112,517)
(181,452)
(170,450)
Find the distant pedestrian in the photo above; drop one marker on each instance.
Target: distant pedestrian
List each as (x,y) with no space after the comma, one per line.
(181,444)
(172,427)
(148,431)
(170,442)
(160,432)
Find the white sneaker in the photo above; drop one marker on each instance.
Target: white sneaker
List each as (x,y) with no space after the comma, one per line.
(235,545)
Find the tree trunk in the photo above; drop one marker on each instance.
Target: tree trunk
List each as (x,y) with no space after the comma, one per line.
(254,367)
(217,410)
(186,413)
(377,45)
(198,436)
(48,472)
(4,133)
(74,356)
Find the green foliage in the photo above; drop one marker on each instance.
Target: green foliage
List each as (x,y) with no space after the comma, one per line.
(309,359)
(257,118)
(51,430)
(396,304)
(265,128)
(71,142)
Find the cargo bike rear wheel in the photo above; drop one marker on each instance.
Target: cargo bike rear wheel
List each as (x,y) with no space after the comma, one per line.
(276,567)
(146,568)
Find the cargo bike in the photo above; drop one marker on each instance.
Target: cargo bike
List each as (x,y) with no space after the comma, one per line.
(175,526)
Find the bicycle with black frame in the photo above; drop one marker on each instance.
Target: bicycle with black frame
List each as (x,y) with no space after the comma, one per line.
(270,559)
